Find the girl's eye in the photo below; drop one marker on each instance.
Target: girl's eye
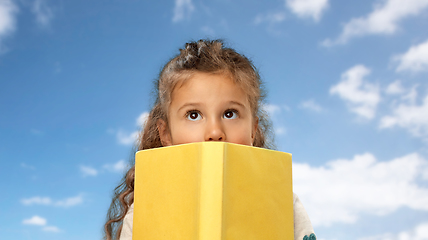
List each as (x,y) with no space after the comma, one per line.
(230,114)
(193,116)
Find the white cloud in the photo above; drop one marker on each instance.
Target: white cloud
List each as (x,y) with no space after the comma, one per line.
(141,120)
(68,202)
(37,200)
(35,220)
(208,30)
(311,105)
(88,171)
(183,9)
(401,93)
(395,88)
(414,60)
(280,130)
(120,166)
(420,232)
(42,12)
(411,95)
(51,229)
(8,11)
(24,165)
(384,19)
(39,221)
(308,8)
(362,97)
(409,115)
(342,190)
(271,109)
(127,138)
(270,18)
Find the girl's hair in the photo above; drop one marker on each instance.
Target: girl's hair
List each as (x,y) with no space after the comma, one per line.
(203,56)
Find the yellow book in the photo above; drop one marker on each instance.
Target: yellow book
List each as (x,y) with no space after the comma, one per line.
(213,191)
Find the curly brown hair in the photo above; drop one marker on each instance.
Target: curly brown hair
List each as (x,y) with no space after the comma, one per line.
(206,56)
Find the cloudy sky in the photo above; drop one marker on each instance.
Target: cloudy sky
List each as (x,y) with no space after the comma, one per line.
(347,94)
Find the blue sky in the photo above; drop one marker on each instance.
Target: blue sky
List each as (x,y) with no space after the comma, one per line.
(347,94)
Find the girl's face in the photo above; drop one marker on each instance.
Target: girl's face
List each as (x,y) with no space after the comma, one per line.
(208,107)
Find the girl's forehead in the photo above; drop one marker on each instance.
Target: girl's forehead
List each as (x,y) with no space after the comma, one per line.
(201,78)
(202,85)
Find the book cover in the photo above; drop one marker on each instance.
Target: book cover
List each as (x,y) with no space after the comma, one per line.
(213,191)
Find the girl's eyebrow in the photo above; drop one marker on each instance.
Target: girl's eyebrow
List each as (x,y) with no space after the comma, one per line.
(199,104)
(237,103)
(189,105)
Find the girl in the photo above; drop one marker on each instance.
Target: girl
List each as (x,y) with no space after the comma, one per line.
(206,93)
